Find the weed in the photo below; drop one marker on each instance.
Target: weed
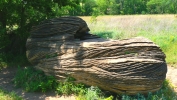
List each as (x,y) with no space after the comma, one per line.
(68,88)
(9,60)
(92,93)
(165,93)
(106,35)
(109,98)
(33,80)
(9,95)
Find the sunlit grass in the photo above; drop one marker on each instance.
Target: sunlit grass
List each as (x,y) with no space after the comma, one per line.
(31,79)
(162,29)
(165,93)
(9,95)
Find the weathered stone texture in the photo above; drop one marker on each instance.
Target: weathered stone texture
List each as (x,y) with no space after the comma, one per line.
(62,47)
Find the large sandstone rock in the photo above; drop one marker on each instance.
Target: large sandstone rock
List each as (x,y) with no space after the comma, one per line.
(62,47)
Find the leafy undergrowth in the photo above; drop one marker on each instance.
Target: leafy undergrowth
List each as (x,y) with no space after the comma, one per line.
(10,60)
(165,93)
(9,95)
(34,80)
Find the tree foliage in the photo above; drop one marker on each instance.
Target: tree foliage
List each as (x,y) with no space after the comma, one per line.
(18,16)
(161,6)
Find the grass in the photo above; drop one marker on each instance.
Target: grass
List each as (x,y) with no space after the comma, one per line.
(10,60)
(33,80)
(161,29)
(9,95)
(165,93)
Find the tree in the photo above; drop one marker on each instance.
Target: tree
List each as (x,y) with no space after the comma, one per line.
(113,7)
(89,6)
(18,16)
(171,6)
(102,6)
(155,6)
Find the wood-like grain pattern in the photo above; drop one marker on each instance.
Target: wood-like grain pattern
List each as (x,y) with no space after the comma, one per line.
(130,66)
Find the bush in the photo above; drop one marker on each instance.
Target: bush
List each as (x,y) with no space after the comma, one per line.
(33,80)
(9,60)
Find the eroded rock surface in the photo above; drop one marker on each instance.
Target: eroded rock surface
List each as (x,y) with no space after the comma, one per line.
(62,47)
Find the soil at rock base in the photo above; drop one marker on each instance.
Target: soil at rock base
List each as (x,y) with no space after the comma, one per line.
(172,75)
(7,74)
(6,77)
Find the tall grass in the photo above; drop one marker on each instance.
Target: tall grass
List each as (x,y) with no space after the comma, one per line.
(162,29)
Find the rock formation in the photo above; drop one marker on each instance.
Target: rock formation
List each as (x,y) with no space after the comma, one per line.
(62,47)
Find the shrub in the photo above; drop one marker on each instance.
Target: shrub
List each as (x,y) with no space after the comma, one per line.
(33,80)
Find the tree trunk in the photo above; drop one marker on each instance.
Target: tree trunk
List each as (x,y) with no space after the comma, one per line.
(3,19)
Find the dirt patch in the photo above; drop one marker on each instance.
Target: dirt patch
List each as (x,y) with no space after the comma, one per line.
(7,74)
(6,77)
(172,75)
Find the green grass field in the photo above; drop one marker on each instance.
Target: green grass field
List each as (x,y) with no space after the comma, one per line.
(161,29)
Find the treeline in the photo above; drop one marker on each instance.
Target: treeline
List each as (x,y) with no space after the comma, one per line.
(123,7)
(18,16)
